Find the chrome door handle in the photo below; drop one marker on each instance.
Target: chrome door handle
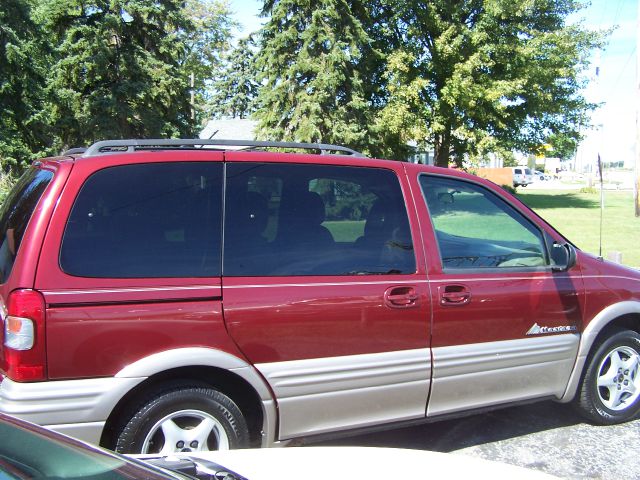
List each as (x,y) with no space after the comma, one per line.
(401,297)
(454,295)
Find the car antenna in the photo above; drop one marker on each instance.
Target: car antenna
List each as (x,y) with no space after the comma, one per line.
(601,204)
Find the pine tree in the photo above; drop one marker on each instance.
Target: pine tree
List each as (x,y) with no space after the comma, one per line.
(23,129)
(316,62)
(119,69)
(235,89)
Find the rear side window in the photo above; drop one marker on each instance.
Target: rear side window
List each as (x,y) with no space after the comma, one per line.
(284,219)
(146,220)
(15,214)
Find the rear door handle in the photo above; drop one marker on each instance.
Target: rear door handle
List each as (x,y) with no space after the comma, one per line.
(401,297)
(454,295)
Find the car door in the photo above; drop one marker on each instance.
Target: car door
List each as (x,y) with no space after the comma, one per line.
(324,292)
(505,320)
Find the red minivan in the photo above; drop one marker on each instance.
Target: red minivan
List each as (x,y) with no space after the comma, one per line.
(186,295)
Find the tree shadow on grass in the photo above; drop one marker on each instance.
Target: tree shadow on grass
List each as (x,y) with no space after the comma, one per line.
(563,200)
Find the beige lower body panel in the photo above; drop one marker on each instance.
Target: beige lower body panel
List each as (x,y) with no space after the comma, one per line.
(484,374)
(324,395)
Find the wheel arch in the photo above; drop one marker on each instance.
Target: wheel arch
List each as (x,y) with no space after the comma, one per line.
(201,367)
(622,315)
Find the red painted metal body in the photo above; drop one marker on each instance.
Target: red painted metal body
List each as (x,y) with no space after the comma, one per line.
(301,318)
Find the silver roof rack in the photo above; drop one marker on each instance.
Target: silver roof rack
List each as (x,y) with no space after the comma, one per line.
(74,151)
(120,146)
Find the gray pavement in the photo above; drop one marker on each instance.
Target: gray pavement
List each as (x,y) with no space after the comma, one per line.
(545,436)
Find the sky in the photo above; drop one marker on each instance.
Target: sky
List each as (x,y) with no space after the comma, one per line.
(246,13)
(614,87)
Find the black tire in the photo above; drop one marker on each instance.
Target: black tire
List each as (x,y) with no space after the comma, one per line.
(614,401)
(187,409)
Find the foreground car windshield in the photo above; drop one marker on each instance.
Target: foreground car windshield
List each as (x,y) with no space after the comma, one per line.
(26,453)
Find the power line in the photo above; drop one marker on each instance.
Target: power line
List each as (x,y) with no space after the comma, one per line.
(618,10)
(622,70)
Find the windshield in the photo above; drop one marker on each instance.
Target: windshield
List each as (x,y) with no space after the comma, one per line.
(15,214)
(26,453)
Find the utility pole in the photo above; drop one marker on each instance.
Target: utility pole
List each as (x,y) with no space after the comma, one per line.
(637,168)
(193,95)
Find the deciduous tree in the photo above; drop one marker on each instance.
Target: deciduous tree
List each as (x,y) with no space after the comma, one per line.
(473,76)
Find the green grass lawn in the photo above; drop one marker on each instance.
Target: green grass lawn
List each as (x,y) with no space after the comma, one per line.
(474,216)
(577,217)
(346,230)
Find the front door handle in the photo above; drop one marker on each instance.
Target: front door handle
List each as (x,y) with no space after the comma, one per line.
(401,297)
(454,295)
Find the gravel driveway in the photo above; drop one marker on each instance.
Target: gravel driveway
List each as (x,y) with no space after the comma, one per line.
(546,436)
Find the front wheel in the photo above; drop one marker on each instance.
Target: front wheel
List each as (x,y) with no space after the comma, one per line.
(610,389)
(184,420)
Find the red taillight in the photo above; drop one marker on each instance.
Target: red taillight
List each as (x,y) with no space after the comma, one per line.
(24,353)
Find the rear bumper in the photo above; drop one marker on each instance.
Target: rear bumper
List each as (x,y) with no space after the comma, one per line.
(78,408)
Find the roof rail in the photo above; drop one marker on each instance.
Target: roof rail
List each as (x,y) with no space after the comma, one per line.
(74,151)
(119,146)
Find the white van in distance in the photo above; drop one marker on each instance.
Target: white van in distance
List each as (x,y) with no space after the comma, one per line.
(522,176)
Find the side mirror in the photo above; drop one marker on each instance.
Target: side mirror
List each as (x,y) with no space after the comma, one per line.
(563,256)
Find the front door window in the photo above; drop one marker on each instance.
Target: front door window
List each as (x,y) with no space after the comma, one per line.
(476,229)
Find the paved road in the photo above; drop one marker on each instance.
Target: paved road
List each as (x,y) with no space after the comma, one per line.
(546,436)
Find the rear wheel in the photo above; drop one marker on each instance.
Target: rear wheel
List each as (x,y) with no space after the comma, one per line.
(610,389)
(184,420)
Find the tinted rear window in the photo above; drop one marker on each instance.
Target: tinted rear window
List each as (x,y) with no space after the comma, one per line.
(15,214)
(147,220)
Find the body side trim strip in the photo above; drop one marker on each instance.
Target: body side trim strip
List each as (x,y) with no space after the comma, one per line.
(328,284)
(394,281)
(621,277)
(135,302)
(55,293)
(458,278)
(490,356)
(313,376)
